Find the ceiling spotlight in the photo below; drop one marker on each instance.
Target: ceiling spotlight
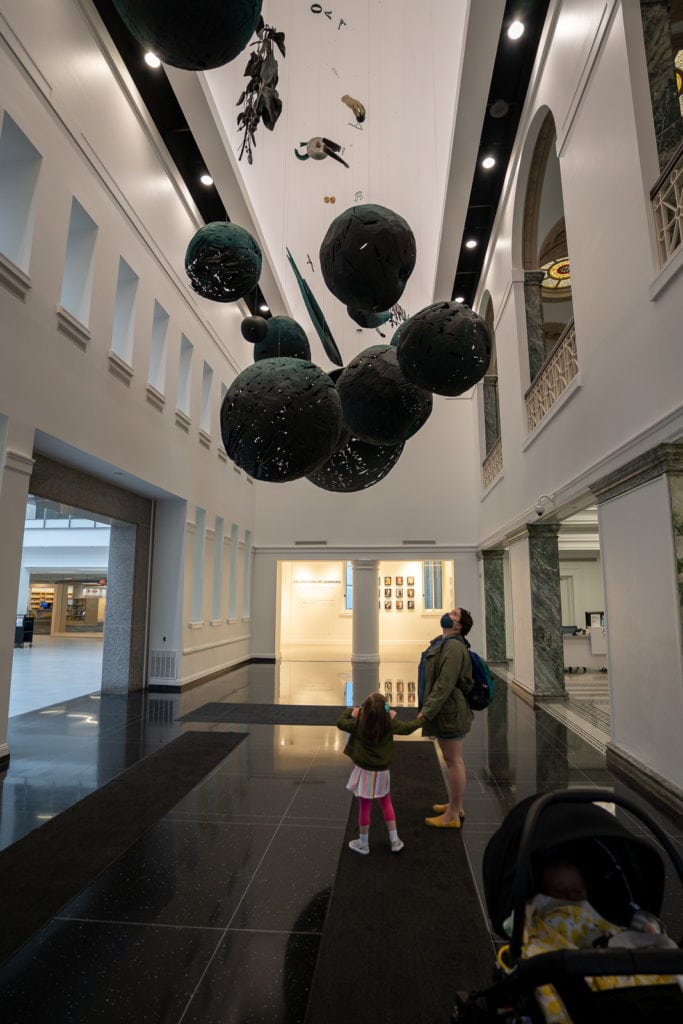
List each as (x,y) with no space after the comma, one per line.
(152,60)
(206,179)
(471,243)
(459,298)
(488,162)
(516,30)
(498,108)
(264,307)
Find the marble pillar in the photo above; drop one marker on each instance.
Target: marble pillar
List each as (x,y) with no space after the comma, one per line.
(118,624)
(494,605)
(662,78)
(491,413)
(533,305)
(546,612)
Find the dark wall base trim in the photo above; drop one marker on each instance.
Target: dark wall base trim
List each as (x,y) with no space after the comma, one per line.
(665,796)
(184,687)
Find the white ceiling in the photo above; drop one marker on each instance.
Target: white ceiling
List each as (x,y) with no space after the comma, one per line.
(422,71)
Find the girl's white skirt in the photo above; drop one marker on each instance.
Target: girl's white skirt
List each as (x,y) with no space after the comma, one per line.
(367,784)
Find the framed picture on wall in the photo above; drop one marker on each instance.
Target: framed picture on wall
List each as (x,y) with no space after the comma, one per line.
(399,581)
(399,592)
(411,604)
(387,591)
(410,592)
(387,581)
(399,606)
(387,606)
(410,580)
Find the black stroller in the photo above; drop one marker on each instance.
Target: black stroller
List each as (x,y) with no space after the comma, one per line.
(624,884)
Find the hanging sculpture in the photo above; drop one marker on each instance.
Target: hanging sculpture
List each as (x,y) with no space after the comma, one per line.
(260,97)
(192,35)
(368,319)
(366,257)
(254,328)
(281,419)
(284,337)
(318,148)
(317,316)
(379,404)
(355,106)
(223,261)
(445,347)
(356,466)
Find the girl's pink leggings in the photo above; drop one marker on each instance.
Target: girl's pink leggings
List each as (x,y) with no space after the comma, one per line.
(365,806)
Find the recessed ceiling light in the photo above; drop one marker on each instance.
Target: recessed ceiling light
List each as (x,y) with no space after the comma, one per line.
(264,307)
(460,298)
(471,243)
(206,179)
(498,109)
(516,30)
(488,162)
(152,60)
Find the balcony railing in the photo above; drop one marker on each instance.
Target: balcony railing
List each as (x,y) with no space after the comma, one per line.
(667,206)
(553,378)
(492,465)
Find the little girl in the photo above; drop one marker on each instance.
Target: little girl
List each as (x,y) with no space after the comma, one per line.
(370,746)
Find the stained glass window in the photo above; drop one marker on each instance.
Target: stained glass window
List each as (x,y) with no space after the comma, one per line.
(557,276)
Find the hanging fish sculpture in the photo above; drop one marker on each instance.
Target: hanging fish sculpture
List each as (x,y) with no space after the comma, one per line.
(318,148)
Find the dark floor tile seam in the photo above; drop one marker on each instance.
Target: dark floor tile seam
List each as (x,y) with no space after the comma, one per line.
(271,931)
(125,923)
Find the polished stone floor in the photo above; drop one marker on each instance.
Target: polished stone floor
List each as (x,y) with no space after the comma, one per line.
(215,913)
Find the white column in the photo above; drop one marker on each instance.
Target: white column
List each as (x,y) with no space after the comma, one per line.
(17,464)
(365,644)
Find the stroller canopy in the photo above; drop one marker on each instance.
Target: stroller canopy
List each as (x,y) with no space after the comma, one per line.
(620,869)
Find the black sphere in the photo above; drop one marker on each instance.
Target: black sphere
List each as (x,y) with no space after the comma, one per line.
(366,257)
(223,261)
(368,319)
(254,328)
(380,405)
(284,337)
(280,419)
(445,348)
(355,466)
(191,34)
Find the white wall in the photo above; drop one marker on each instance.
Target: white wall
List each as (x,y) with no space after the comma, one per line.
(644,627)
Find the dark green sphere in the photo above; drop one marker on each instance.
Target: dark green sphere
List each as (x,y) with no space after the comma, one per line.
(366,257)
(191,34)
(284,337)
(445,348)
(223,261)
(280,419)
(380,405)
(355,466)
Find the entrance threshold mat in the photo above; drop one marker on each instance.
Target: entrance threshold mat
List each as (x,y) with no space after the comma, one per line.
(49,866)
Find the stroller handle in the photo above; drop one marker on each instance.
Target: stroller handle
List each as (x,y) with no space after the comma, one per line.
(553,968)
(535,811)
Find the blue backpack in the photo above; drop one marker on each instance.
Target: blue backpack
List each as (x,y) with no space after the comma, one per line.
(481,694)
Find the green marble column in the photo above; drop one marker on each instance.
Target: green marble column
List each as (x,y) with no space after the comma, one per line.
(676,489)
(533,304)
(494,604)
(661,75)
(491,414)
(546,612)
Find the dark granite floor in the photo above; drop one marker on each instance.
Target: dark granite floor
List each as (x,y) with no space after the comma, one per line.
(215,913)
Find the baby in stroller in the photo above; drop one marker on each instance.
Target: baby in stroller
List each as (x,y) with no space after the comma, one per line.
(560,916)
(577,894)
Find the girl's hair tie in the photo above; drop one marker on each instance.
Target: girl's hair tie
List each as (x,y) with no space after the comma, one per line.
(386,705)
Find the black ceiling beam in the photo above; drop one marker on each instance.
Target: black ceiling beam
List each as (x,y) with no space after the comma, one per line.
(509,83)
(158,96)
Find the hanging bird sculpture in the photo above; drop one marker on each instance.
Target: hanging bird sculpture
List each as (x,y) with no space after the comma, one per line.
(318,148)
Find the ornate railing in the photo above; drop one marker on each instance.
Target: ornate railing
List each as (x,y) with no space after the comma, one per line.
(667,206)
(492,466)
(553,378)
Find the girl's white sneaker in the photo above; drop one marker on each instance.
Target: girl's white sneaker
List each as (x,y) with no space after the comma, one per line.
(357,847)
(397,845)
